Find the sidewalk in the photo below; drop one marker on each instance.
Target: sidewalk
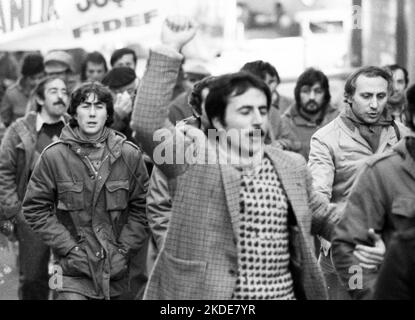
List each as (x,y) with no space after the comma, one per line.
(8,271)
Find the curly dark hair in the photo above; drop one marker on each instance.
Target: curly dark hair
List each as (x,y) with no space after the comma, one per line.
(82,92)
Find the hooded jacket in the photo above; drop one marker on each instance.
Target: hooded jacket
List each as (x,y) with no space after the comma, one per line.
(101,213)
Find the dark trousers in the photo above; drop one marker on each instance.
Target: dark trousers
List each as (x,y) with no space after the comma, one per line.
(138,274)
(336,290)
(34,258)
(75,296)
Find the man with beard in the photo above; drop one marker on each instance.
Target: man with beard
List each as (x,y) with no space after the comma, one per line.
(340,149)
(22,145)
(311,111)
(382,199)
(397,101)
(86,199)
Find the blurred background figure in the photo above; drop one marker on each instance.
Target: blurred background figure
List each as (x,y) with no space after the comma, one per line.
(94,67)
(397,101)
(124,57)
(61,64)
(279,131)
(311,111)
(123,83)
(8,71)
(179,108)
(16,98)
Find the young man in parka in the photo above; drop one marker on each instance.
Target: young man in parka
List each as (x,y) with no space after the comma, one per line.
(97,182)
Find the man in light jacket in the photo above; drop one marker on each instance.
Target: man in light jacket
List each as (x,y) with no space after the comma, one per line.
(339,150)
(381,199)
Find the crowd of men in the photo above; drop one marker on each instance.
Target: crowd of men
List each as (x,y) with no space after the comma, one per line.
(183,185)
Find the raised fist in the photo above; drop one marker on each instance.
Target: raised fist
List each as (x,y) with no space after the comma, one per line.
(177,31)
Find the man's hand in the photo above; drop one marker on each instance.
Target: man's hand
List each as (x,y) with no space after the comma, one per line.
(371,257)
(177,31)
(123,105)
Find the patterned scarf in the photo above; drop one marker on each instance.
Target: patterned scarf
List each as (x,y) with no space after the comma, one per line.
(370,132)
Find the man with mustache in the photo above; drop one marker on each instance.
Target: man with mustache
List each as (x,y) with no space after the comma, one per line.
(311,111)
(22,145)
(279,130)
(228,217)
(340,149)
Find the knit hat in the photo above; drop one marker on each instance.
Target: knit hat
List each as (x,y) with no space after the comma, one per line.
(32,65)
(119,77)
(59,61)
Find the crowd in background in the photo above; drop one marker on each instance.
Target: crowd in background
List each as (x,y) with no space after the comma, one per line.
(80,186)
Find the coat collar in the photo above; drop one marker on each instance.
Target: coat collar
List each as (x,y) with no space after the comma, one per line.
(288,173)
(387,138)
(114,142)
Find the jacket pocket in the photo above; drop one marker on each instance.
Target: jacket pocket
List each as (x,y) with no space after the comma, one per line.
(403,212)
(75,264)
(404,206)
(180,279)
(70,195)
(117,195)
(119,265)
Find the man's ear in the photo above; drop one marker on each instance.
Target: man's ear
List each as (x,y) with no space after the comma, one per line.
(217,124)
(348,99)
(39,101)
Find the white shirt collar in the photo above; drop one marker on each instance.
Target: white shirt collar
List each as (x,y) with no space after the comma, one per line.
(40,121)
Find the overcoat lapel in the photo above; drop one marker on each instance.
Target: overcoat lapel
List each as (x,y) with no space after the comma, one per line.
(290,177)
(231,179)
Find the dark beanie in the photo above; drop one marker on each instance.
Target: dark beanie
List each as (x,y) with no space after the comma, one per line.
(32,65)
(119,77)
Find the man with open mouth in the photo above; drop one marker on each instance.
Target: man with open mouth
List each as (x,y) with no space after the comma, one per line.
(97,181)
